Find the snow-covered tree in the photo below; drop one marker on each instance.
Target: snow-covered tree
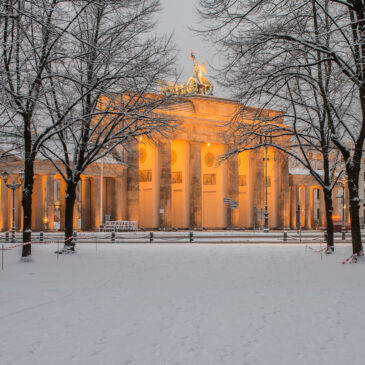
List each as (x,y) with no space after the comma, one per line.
(104,89)
(31,32)
(272,49)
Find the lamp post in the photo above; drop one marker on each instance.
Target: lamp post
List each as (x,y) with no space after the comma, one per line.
(268,140)
(343,211)
(266,212)
(13,186)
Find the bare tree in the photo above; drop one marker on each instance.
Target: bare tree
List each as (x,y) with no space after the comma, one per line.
(31,31)
(283,37)
(109,78)
(305,134)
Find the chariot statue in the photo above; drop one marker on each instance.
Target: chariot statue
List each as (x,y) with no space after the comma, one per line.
(196,84)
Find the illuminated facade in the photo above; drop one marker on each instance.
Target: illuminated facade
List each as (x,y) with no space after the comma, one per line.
(177,183)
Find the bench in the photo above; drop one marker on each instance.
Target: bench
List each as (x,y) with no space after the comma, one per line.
(116,226)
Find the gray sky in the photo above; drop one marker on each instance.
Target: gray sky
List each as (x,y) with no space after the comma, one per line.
(177,16)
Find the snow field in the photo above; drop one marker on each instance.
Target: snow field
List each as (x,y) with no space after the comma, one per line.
(182,304)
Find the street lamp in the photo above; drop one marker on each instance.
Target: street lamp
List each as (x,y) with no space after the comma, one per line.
(13,186)
(268,139)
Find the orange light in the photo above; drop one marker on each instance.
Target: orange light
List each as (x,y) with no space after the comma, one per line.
(208,144)
(45,220)
(336,217)
(140,138)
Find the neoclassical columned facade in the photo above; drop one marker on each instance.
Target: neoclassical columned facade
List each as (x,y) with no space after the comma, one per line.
(176,182)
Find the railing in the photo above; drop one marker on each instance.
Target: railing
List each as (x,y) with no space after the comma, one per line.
(213,237)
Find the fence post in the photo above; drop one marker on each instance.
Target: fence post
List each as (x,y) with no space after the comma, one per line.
(151,237)
(285,236)
(191,237)
(75,237)
(41,236)
(113,236)
(343,235)
(7,236)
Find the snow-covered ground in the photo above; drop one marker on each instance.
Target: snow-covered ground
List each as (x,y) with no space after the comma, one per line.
(164,304)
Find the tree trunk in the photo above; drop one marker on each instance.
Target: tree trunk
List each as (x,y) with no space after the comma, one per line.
(329,221)
(354,215)
(27,206)
(69,215)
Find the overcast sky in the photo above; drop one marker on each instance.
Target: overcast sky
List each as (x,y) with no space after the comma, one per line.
(177,16)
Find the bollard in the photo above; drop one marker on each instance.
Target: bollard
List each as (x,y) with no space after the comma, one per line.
(191,237)
(6,236)
(325,237)
(285,236)
(41,236)
(2,257)
(151,237)
(113,236)
(75,237)
(343,235)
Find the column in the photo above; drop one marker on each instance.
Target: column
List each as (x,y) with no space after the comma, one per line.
(257,184)
(50,201)
(133,183)
(149,185)
(180,184)
(308,207)
(118,198)
(282,192)
(214,186)
(293,206)
(95,202)
(246,176)
(195,185)
(86,203)
(5,220)
(18,206)
(38,203)
(165,184)
(232,187)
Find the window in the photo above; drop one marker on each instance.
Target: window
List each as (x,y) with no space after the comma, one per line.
(209,179)
(319,156)
(242,180)
(310,156)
